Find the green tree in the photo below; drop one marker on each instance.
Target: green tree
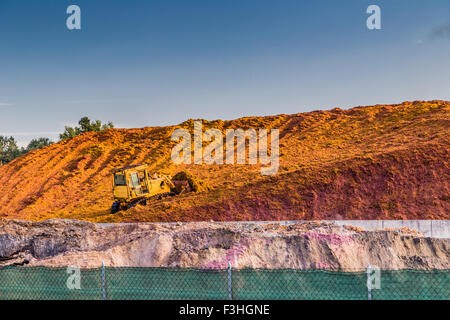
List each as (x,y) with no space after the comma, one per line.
(37,144)
(85,125)
(8,149)
(68,133)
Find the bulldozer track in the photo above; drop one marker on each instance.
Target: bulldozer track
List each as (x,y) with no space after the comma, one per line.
(116,206)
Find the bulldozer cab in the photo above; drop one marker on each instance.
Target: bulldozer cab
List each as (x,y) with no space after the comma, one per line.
(134,182)
(130,182)
(138,182)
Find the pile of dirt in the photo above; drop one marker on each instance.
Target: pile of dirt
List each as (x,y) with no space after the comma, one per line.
(378,162)
(309,245)
(195,184)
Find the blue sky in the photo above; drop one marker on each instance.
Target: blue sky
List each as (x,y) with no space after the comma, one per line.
(148,63)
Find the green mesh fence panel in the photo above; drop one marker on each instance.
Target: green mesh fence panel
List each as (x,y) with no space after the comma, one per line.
(298,284)
(413,285)
(165,283)
(41,283)
(174,283)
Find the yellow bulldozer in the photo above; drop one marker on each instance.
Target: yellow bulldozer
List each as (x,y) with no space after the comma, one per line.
(135,184)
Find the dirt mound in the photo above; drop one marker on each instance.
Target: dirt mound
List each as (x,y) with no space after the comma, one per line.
(378,162)
(308,245)
(195,184)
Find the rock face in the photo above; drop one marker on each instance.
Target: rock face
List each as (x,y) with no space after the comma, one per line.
(213,245)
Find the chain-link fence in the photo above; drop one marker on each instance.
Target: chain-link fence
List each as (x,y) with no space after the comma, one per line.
(176,283)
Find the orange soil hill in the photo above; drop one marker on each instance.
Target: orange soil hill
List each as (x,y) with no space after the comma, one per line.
(378,162)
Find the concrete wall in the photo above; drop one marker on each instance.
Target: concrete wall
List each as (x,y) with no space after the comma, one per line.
(431,228)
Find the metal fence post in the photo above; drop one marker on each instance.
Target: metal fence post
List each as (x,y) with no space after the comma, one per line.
(369,283)
(103,281)
(230,297)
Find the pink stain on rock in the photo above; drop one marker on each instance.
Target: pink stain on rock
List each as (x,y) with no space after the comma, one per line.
(322,265)
(230,256)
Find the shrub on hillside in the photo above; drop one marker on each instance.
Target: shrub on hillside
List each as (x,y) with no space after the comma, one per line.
(85,125)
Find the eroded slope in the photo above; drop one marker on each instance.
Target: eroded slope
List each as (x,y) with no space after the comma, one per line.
(379,162)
